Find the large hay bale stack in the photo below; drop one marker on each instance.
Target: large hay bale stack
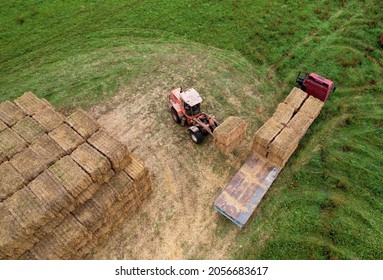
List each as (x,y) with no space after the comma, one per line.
(283,113)
(65,186)
(296,98)
(230,134)
(312,107)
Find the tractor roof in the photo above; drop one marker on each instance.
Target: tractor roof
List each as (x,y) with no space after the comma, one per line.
(191,97)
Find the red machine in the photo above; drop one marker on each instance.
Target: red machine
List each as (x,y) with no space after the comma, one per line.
(185,107)
(315,85)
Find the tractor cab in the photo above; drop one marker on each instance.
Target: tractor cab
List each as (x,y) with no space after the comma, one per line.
(191,101)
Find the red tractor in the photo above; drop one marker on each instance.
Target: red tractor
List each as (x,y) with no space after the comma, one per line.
(315,85)
(185,107)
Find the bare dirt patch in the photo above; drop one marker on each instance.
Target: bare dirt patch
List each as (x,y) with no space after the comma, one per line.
(178,220)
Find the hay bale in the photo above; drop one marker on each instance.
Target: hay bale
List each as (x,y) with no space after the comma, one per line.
(70,175)
(50,248)
(10,113)
(49,118)
(86,194)
(228,131)
(30,103)
(28,255)
(93,162)
(300,123)
(48,149)
(283,113)
(28,129)
(229,147)
(11,143)
(258,149)
(66,137)
(117,153)
(10,180)
(83,123)
(312,107)
(3,156)
(284,144)
(268,131)
(52,195)
(90,215)
(105,197)
(27,209)
(296,98)
(136,168)
(122,184)
(2,126)
(28,164)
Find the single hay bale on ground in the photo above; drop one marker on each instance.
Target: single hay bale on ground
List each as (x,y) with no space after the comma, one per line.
(93,162)
(229,147)
(48,149)
(28,129)
(259,150)
(27,209)
(83,123)
(66,137)
(312,107)
(122,184)
(300,123)
(229,130)
(28,164)
(49,118)
(283,113)
(117,153)
(10,113)
(296,98)
(90,215)
(52,195)
(30,103)
(268,131)
(10,180)
(2,126)
(11,143)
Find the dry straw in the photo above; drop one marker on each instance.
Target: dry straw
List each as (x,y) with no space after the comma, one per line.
(259,150)
(30,103)
(122,184)
(93,162)
(70,175)
(90,215)
(10,180)
(228,131)
(10,113)
(283,113)
(83,123)
(66,137)
(105,197)
(115,151)
(136,169)
(296,98)
(300,123)
(28,129)
(2,126)
(268,131)
(11,143)
(28,164)
(312,107)
(48,149)
(3,156)
(88,192)
(49,118)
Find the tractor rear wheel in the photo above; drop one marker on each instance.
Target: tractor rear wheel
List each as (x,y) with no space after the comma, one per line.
(175,116)
(197,137)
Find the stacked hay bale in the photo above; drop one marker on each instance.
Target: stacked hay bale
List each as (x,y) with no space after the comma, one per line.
(229,134)
(279,137)
(64,182)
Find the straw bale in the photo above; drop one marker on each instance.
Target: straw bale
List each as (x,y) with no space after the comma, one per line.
(10,180)
(2,126)
(11,143)
(105,197)
(300,123)
(28,129)
(48,149)
(30,103)
(296,98)
(28,164)
(229,130)
(28,255)
(277,160)
(90,215)
(136,168)
(51,193)
(284,144)
(283,113)
(312,107)
(27,209)
(268,131)
(229,147)
(70,175)
(93,162)
(49,118)
(115,151)
(88,192)
(3,156)
(83,123)
(258,149)
(10,113)
(66,137)
(50,248)
(122,184)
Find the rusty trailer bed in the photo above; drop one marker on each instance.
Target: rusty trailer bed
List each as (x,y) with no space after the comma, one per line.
(246,189)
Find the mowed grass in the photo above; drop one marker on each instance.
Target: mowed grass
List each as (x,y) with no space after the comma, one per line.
(328,201)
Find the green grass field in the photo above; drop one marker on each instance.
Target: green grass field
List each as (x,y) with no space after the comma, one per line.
(328,201)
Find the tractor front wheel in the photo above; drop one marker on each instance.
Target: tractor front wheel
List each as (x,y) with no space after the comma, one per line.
(197,137)
(175,116)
